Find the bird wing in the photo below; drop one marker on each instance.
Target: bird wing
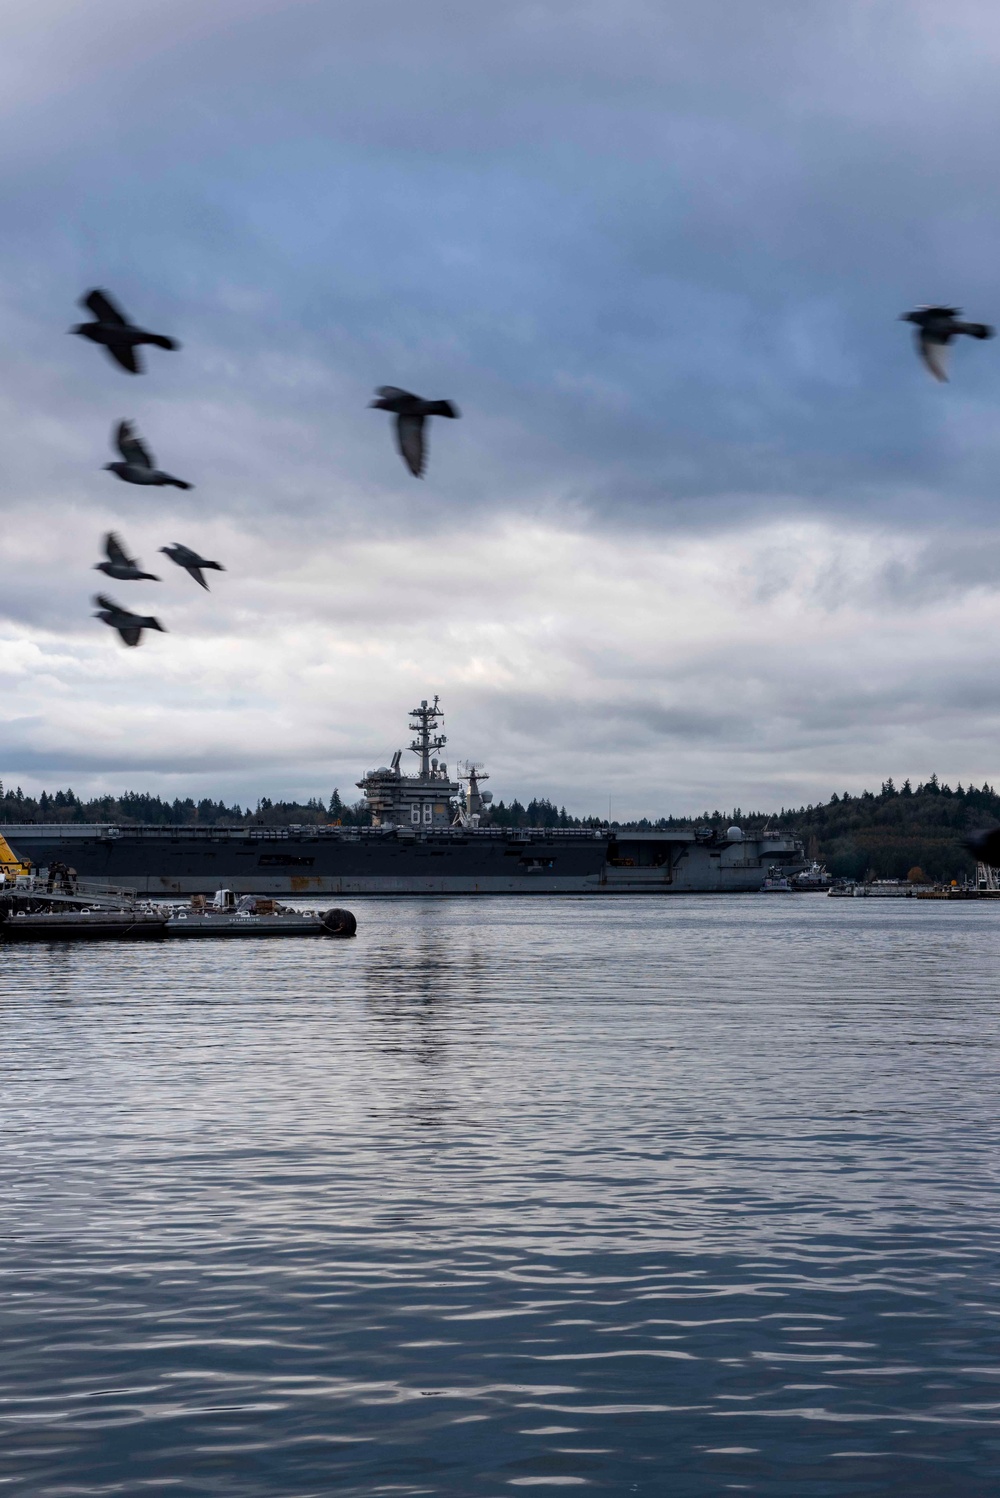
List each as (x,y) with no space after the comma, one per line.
(985,846)
(393,392)
(131,447)
(197,574)
(105,602)
(410,437)
(126,355)
(130,633)
(975,329)
(116,551)
(935,356)
(103,308)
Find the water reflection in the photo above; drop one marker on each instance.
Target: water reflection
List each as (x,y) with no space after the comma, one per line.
(421,985)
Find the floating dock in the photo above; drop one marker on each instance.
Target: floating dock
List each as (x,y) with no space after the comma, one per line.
(889,891)
(31,911)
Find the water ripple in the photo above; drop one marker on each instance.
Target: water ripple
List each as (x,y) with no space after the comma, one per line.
(633,1197)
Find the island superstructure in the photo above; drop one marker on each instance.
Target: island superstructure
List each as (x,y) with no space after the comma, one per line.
(427,837)
(422,800)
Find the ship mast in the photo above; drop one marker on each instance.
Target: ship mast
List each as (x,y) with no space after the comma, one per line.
(427,741)
(422,800)
(476,800)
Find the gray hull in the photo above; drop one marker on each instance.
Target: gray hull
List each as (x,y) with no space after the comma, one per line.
(189,927)
(393,861)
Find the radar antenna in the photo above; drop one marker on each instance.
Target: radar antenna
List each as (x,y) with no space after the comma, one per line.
(427,740)
(476,801)
(472,768)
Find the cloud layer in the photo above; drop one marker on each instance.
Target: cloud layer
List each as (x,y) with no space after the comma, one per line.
(706,534)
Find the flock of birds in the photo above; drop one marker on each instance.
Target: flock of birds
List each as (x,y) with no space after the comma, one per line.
(936,329)
(122,340)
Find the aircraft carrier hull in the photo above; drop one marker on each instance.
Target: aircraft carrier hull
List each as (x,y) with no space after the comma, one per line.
(397,861)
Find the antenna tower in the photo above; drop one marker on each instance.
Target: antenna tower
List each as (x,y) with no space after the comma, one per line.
(427,740)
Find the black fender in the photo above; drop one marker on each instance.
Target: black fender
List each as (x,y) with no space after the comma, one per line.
(339,923)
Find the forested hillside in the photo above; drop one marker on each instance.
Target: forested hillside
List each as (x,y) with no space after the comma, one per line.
(896,830)
(886,834)
(133,807)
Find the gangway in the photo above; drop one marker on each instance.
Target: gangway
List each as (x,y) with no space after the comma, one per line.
(29,890)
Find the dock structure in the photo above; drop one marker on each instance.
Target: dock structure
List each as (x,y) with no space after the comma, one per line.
(82,925)
(891,889)
(32,911)
(31,891)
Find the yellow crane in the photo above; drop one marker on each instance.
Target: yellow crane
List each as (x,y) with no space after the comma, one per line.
(11,867)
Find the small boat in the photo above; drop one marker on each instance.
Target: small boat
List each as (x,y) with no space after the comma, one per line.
(253,915)
(813,878)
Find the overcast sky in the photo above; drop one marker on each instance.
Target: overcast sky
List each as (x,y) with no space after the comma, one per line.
(707,533)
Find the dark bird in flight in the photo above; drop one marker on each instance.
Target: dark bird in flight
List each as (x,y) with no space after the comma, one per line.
(411,412)
(120,565)
(191,562)
(137,465)
(936,327)
(985,847)
(129,626)
(120,337)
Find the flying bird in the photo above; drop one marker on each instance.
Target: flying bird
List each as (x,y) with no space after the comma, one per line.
(191,562)
(120,337)
(121,566)
(411,412)
(137,466)
(936,327)
(985,846)
(129,626)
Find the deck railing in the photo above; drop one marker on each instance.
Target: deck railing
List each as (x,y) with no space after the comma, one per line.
(71,891)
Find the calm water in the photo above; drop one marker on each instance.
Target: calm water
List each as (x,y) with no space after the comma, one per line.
(665,1197)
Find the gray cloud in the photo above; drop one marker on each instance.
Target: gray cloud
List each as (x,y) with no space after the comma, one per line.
(665,252)
(704,511)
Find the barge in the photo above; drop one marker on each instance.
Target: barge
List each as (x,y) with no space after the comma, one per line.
(31,912)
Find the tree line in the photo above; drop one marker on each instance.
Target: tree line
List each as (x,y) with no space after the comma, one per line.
(139,808)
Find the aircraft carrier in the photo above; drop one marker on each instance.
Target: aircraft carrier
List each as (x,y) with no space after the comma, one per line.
(429,835)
